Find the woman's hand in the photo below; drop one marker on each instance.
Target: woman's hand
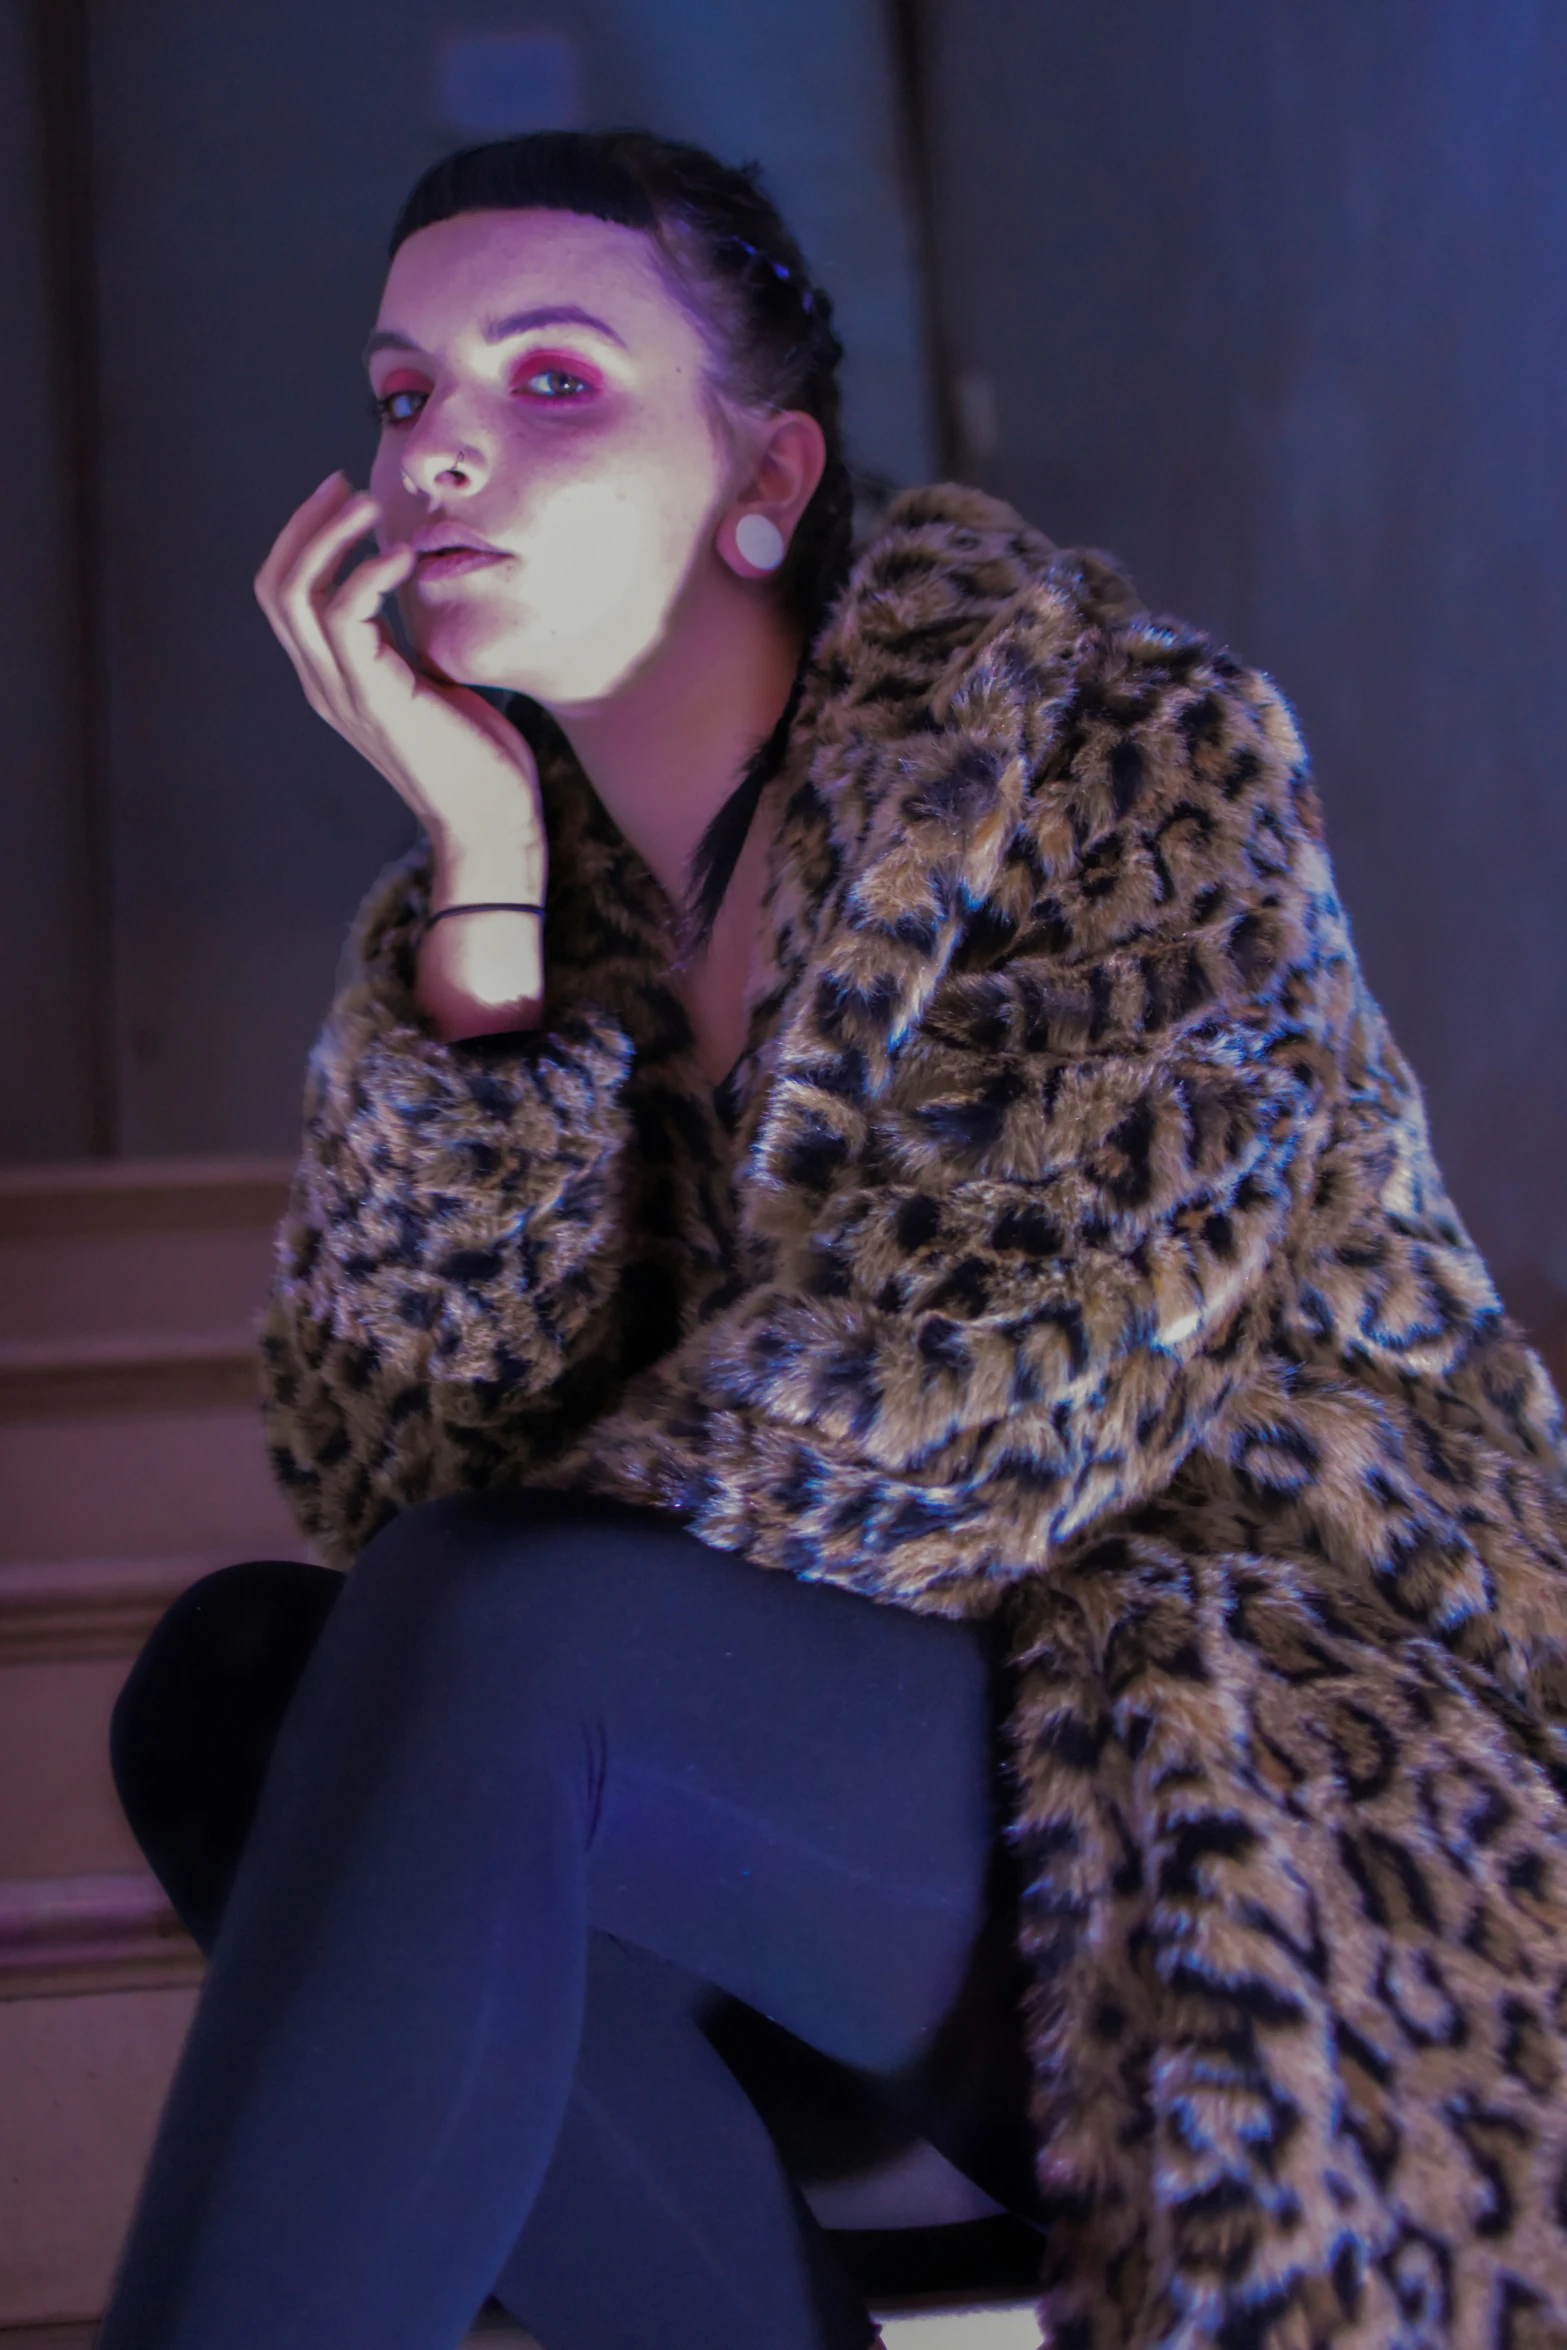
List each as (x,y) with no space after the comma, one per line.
(465,771)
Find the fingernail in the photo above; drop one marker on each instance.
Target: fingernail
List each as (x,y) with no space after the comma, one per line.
(336,474)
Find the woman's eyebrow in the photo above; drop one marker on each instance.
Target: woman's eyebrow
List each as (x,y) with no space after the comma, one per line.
(497,330)
(558,314)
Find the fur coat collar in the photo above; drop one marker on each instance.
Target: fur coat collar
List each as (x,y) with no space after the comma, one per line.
(1068,1244)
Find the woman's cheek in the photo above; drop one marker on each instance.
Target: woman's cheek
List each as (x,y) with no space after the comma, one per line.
(592,548)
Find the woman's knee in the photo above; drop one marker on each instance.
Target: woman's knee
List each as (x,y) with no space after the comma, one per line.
(231,1644)
(192,1731)
(472,1575)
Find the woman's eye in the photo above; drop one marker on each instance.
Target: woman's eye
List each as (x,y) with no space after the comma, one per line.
(555,383)
(559,386)
(392,409)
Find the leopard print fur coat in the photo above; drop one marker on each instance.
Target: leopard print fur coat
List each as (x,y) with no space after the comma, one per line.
(1071,1246)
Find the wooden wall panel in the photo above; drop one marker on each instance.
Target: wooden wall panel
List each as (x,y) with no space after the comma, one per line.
(46,949)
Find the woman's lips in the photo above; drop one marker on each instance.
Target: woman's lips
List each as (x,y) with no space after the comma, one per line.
(452,562)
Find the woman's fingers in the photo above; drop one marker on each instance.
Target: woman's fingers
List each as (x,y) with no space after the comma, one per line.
(317,534)
(300,591)
(295,534)
(364,654)
(453,759)
(359,597)
(309,579)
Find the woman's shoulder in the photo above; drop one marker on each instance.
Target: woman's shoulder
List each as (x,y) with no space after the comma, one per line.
(977,680)
(955,599)
(947,551)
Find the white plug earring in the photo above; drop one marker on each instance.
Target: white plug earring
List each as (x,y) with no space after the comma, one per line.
(761,542)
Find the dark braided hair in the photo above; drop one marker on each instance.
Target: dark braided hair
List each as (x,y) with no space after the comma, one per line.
(733,265)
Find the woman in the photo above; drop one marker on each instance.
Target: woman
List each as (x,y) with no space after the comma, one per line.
(867,1077)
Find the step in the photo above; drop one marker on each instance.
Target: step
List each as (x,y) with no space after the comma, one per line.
(53,1378)
(70,1611)
(59,1814)
(129,1388)
(112,1931)
(154,1480)
(85,2079)
(68,1632)
(135,1248)
(97,1986)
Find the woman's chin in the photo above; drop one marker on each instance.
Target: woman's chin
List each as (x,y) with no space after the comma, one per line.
(460,647)
(551,665)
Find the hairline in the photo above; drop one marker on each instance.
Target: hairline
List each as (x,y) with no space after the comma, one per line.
(720,404)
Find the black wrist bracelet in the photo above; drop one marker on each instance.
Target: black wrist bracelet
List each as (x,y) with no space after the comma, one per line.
(488,906)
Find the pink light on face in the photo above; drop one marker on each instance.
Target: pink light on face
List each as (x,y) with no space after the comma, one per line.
(540,365)
(401,384)
(585,460)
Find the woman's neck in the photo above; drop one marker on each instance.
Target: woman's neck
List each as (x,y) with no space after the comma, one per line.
(666,749)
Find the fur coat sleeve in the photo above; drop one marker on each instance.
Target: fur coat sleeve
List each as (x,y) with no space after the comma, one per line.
(434,1181)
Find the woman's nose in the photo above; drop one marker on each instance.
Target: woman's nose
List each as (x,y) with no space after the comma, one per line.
(439,457)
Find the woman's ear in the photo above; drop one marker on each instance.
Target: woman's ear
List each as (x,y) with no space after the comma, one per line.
(788,462)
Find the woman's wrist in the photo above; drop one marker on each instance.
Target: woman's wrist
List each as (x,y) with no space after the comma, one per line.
(481,973)
(455,912)
(488,873)
(481,970)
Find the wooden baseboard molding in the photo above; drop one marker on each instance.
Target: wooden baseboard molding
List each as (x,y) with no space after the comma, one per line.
(64,1379)
(69,1611)
(62,1937)
(60,1612)
(140,1195)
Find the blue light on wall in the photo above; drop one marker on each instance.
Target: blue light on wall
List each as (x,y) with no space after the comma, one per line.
(496,85)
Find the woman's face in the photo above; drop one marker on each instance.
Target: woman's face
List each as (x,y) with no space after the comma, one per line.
(540,392)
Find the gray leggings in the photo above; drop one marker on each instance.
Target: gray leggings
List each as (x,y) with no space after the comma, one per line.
(495,1827)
